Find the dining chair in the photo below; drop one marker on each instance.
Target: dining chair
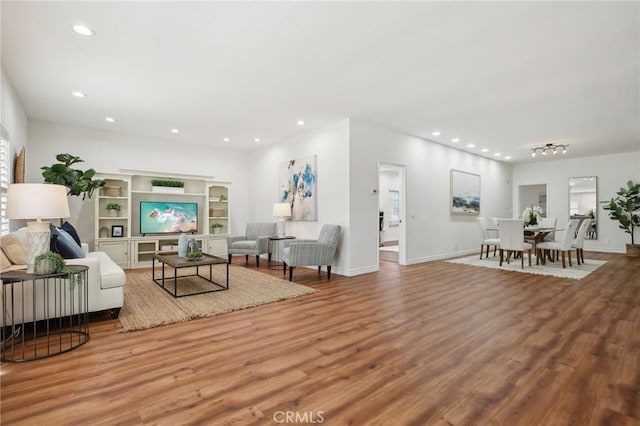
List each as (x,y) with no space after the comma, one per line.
(488,226)
(578,242)
(563,245)
(511,235)
(548,223)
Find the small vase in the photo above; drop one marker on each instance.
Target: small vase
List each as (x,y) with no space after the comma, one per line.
(112,213)
(45,267)
(183,244)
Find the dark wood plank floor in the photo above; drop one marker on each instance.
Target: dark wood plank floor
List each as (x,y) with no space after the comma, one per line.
(429,344)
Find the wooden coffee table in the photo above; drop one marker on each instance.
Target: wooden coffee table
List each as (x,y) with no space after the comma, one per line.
(176,262)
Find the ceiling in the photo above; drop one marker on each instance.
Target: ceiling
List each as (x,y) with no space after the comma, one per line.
(503,76)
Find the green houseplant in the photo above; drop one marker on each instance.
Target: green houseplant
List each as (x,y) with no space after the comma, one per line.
(79,182)
(217,227)
(167,183)
(52,263)
(625,208)
(113,209)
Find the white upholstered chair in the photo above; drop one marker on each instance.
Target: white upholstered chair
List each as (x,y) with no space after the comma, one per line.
(489,227)
(578,242)
(511,232)
(563,245)
(254,242)
(312,252)
(550,223)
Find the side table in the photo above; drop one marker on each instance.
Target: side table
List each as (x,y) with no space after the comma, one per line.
(276,247)
(43,315)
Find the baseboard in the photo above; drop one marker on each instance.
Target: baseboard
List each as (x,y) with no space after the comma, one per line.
(443,256)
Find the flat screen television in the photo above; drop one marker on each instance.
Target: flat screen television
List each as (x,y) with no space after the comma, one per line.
(161,217)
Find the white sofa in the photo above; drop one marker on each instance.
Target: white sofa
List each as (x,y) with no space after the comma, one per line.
(106,278)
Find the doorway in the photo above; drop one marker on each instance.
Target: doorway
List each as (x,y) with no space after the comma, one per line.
(391,213)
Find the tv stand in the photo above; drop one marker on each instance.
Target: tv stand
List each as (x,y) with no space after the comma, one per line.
(135,249)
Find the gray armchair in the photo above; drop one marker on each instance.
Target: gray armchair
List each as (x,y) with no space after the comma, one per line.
(312,252)
(254,242)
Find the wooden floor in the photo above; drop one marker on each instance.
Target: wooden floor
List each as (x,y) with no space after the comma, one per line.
(430,344)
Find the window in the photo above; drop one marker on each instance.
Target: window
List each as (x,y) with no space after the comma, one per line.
(394,208)
(5,173)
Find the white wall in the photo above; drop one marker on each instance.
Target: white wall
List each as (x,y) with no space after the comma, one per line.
(109,152)
(431,232)
(613,171)
(330,144)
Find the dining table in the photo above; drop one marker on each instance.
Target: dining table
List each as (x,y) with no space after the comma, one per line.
(535,235)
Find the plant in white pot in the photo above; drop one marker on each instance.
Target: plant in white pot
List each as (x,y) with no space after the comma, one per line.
(625,208)
(217,228)
(113,209)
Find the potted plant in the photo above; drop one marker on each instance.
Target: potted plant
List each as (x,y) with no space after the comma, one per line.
(625,208)
(167,186)
(79,182)
(113,209)
(217,228)
(49,263)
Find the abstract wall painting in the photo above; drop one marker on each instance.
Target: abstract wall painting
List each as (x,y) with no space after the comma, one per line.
(298,183)
(465,193)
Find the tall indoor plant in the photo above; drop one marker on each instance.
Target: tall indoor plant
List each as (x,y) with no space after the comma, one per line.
(79,182)
(625,208)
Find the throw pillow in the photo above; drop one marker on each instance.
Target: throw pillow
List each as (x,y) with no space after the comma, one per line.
(65,245)
(13,248)
(71,231)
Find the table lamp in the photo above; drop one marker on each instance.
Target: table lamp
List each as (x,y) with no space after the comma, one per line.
(281,210)
(37,201)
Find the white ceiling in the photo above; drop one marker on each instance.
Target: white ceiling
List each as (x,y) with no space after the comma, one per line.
(505,76)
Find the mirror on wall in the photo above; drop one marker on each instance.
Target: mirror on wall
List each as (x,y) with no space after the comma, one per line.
(532,195)
(583,202)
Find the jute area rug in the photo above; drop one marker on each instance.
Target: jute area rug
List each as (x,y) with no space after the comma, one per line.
(147,305)
(554,269)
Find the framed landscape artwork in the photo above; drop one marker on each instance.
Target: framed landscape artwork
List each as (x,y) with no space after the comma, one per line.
(465,193)
(298,181)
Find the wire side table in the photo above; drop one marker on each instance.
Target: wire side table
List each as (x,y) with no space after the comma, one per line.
(42,315)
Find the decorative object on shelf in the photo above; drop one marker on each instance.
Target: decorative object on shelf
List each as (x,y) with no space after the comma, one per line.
(113,209)
(532,215)
(217,228)
(52,263)
(625,208)
(551,147)
(194,256)
(217,212)
(18,176)
(77,181)
(111,190)
(117,231)
(222,197)
(183,243)
(104,232)
(281,210)
(298,180)
(37,201)
(465,193)
(167,186)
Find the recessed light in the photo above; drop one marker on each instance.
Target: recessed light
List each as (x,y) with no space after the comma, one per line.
(110,119)
(300,123)
(83,30)
(455,140)
(175,131)
(471,145)
(78,94)
(226,140)
(497,154)
(256,140)
(435,134)
(508,157)
(485,150)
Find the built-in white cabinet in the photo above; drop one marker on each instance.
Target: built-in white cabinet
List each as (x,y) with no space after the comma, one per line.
(121,234)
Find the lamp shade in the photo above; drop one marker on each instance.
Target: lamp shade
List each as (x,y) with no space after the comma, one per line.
(37,201)
(282,209)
